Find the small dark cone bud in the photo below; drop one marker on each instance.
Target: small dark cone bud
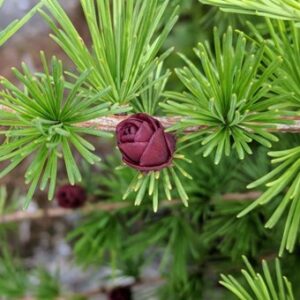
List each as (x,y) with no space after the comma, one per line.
(144,144)
(120,293)
(71,196)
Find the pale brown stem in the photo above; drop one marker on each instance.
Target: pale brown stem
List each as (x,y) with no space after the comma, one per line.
(110,123)
(234,197)
(58,212)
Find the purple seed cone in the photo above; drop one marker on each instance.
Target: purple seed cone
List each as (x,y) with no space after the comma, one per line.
(144,144)
(71,196)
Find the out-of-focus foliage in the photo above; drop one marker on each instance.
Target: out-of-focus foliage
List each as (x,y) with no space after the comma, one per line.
(12,28)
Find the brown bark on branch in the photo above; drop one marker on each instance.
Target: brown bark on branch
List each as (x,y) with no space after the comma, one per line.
(110,123)
(234,197)
(58,212)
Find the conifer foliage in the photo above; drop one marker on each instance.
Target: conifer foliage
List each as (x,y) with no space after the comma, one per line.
(199,135)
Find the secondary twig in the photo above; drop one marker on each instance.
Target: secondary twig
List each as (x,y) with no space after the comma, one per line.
(241,196)
(58,212)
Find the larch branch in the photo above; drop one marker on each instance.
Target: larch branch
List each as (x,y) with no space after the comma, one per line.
(110,123)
